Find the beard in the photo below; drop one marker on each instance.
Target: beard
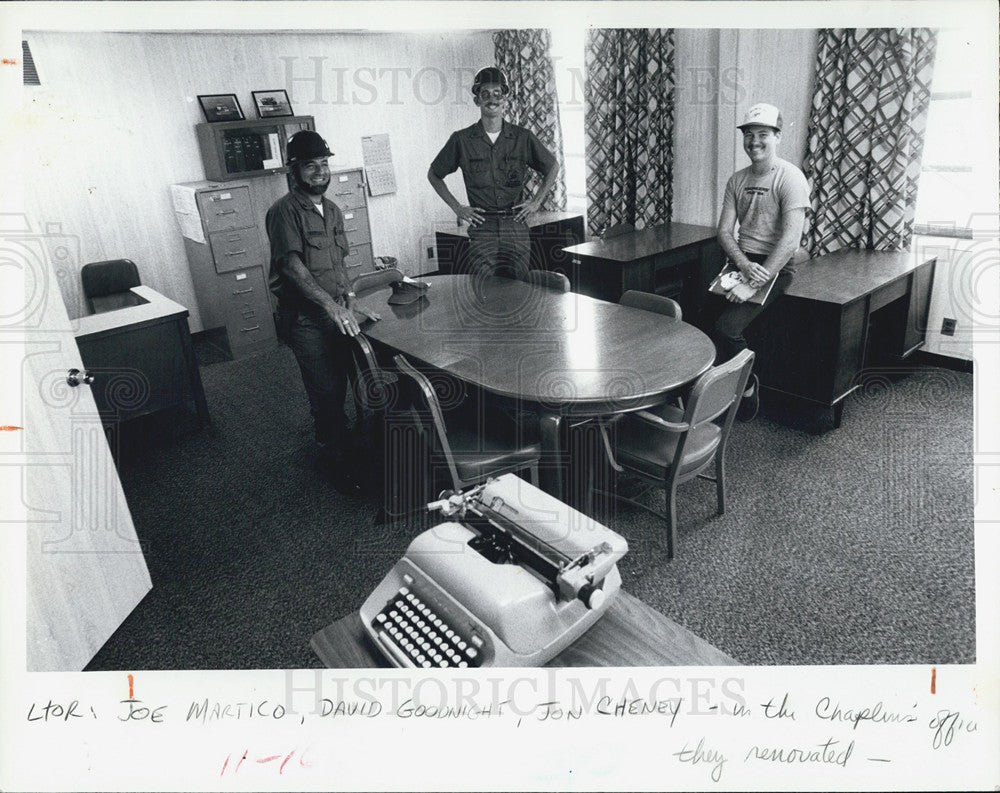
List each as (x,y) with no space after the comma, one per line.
(310,188)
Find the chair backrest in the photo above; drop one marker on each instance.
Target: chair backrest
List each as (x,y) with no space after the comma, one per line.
(647,301)
(373,387)
(550,279)
(719,390)
(617,230)
(429,404)
(369,281)
(112,277)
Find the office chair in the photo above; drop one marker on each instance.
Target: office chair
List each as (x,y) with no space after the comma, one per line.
(106,285)
(368,282)
(647,301)
(672,446)
(474,445)
(549,279)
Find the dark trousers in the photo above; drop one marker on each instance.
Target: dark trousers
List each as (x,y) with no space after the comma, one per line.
(724,322)
(325,356)
(499,246)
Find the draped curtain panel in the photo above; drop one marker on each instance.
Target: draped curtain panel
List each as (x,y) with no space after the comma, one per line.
(524,56)
(866,136)
(629,126)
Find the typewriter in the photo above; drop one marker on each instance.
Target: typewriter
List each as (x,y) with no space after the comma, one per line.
(510,578)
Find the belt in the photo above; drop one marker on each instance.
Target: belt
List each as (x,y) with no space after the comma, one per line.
(498,213)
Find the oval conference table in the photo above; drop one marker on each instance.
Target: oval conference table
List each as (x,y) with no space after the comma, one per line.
(560,354)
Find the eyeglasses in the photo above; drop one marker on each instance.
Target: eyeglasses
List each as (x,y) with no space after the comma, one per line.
(491,93)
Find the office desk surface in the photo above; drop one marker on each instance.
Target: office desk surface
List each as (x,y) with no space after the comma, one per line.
(155,308)
(650,241)
(629,634)
(534,219)
(847,275)
(570,353)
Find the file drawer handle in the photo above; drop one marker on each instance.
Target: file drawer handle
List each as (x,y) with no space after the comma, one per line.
(250,330)
(227,212)
(236,253)
(243,291)
(350,228)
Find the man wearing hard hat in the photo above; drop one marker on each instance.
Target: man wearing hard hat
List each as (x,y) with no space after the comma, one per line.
(768,199)
(494,157)
(317,312)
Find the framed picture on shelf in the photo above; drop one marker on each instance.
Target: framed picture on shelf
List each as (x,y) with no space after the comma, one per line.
(221,107)
(272,104)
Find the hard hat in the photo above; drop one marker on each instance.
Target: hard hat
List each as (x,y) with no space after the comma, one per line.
(306,145)
(764,115)
(491,74)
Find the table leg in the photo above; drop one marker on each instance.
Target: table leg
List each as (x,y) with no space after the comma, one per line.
(551,469)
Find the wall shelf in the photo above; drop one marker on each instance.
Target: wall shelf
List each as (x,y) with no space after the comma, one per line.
(249,148)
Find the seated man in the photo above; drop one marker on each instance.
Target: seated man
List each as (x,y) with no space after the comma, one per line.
(768,199)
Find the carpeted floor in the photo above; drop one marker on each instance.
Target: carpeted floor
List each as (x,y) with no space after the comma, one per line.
(840,547)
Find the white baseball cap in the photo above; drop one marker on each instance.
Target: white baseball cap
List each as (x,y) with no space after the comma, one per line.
(764,115)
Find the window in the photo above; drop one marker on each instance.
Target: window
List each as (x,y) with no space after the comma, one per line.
(958,178)
(567,58)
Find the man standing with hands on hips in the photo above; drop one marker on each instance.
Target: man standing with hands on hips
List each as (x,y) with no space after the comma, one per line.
(317,312)
(494,156)
(769,200)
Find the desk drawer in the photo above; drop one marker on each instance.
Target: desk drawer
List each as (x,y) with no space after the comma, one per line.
(359,260)
(227,208)
(347,190)
(884,295)
(356,226)
(235,249)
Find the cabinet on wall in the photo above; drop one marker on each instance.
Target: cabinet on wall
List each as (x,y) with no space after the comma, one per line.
(228,264)
(348,191)
(247,148)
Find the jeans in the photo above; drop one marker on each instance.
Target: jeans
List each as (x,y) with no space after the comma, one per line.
(724,322)
(325,357)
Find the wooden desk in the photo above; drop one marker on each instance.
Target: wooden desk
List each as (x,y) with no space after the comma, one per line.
(629,634)
(558,353)
(549,232)
(844,311)
(673,259)
(141,358)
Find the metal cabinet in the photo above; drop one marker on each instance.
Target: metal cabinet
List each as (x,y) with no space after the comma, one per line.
(348,191)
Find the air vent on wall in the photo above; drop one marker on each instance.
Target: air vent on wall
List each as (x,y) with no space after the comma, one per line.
(30,72)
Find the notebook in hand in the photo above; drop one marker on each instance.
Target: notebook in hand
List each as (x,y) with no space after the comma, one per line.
(730,279)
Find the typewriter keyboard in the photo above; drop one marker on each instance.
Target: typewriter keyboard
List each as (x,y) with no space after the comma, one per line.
(418,636)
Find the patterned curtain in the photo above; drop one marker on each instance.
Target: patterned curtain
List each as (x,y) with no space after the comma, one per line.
(866,136)
(523,55)
(629,126)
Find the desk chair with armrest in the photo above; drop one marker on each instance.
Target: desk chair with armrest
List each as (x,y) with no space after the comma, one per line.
(668,445)
(474,444)
(106,284)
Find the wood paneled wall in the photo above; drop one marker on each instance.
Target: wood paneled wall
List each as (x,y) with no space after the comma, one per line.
(719,74)
(112,127)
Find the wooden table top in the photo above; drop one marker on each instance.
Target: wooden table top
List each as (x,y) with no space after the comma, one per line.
(565,352)
(535,219)
(849,274)
(650,241)
(629,634)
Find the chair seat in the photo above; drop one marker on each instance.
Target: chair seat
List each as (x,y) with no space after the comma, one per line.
(478,454)
(644,448)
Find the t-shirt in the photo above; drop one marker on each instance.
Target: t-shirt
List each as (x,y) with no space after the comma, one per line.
(760,201)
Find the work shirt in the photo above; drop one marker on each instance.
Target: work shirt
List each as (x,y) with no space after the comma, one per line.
(294,225)
(495,174)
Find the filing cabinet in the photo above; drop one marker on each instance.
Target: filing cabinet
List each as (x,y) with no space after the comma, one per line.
(228,263)
(348,191)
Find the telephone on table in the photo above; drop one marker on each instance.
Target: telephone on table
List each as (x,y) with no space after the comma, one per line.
(510,579)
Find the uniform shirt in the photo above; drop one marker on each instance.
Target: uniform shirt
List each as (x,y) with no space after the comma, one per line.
(495,174)
(760,201)
(295,226)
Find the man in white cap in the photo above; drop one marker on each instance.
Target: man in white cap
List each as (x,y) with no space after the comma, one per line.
(769,200)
